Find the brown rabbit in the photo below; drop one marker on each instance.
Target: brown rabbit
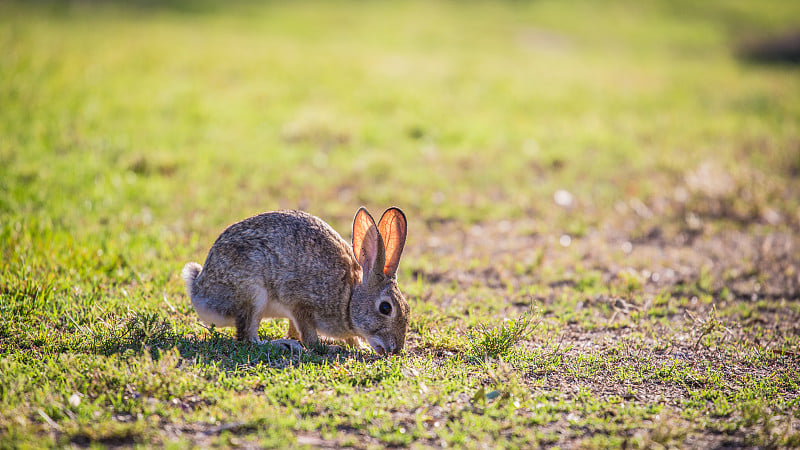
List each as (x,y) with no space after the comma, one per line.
(290,264)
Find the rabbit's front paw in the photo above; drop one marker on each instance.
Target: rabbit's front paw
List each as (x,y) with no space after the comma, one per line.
(289,344)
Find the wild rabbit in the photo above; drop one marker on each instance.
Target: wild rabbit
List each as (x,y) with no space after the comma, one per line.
(290,264)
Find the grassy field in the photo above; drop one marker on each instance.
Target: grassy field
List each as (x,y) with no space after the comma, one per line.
(604,220)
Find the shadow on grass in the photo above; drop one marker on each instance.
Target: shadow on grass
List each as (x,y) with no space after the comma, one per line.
(141,332)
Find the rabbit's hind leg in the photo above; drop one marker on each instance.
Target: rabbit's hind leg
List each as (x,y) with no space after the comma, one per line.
(292,341)
(248,311)
(247,323)
(292,345)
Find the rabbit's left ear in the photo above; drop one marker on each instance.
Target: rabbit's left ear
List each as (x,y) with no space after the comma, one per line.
(367,244)
(393,229)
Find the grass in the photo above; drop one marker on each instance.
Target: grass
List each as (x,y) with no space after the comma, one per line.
(666,286)
(499,342)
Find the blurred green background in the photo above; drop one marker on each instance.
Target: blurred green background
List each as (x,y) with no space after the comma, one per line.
(195,114)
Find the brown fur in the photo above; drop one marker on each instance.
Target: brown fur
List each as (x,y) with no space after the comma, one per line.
(292,264)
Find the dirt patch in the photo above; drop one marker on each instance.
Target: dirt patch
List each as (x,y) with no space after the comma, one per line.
(692,301)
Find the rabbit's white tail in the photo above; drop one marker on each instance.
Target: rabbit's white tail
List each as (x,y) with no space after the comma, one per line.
(189,273)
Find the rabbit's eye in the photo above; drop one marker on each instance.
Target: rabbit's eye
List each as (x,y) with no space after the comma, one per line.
(385,308)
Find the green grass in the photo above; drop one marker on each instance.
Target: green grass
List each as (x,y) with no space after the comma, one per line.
(131,134)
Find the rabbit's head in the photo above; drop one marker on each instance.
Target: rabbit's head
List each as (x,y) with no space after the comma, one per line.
(378,311)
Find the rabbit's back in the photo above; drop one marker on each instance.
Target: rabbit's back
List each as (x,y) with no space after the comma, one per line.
(292,255)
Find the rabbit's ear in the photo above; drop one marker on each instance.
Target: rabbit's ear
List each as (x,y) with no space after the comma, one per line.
(367,244)
(393,229)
